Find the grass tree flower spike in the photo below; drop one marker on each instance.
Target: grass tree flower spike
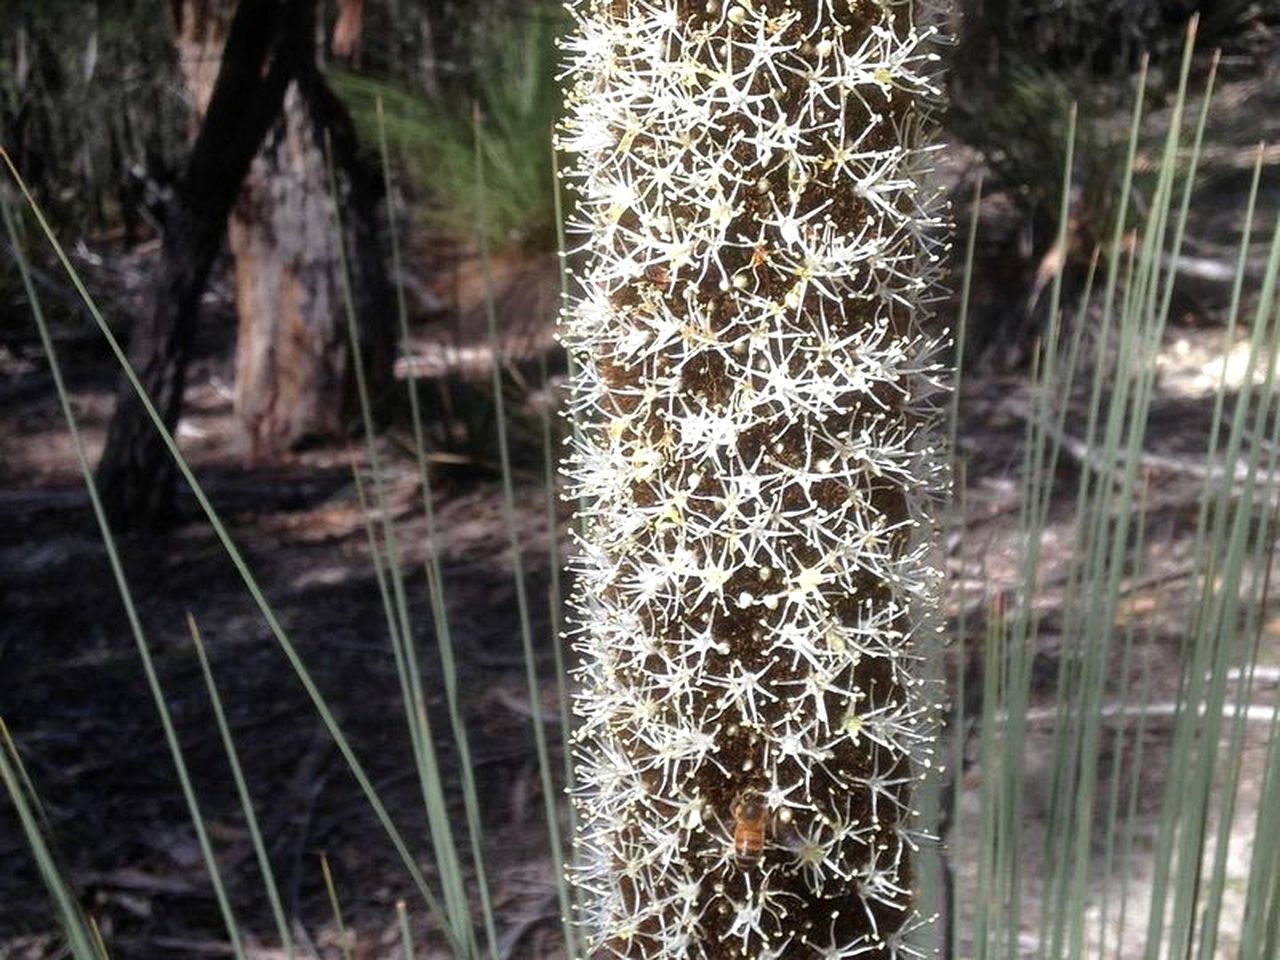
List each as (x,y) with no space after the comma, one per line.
(756,464)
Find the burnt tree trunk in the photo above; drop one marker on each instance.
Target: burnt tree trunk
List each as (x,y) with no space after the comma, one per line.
(135,474)
(293,366)
(258,157)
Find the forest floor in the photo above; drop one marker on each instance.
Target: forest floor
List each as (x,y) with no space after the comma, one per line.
(73,693)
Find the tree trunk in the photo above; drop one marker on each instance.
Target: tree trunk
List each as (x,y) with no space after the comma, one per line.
(293,370)
(265,41)
(293,367)
(261,139)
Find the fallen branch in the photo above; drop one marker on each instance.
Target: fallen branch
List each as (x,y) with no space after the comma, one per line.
(1253,712)
(543,912)
(1238,474)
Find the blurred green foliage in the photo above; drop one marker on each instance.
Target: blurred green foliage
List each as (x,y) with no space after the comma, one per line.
(91,106)
(433,133)
(1098,38)
(1021,128)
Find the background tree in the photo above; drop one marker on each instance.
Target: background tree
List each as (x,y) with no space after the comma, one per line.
(87,109)
(260,158)
(292,366)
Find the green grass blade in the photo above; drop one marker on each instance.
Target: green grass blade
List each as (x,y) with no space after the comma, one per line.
(71,919)
(1262,560)
(1151,332)
(335,908)
(24,778)
(959,720)
(242,792)
(237,559)
(549,795)
(440,824)
(406,935)
(1118,744)
(126,598)
(1260,932)
(962,321)
(99,945)
(1037,483)
(550,460)
(1233,314)
(1224,545)
(434,571)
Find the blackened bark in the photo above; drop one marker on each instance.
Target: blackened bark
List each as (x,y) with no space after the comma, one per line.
(269,43)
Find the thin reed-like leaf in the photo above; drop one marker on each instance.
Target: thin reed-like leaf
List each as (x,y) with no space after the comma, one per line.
(434,572)
(406,934)
(126,597)
(242,792)
(335,908)
(440,824)
(237,558)
(550,806)
(70,918)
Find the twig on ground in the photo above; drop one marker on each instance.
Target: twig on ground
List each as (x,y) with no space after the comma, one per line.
(544,911)
(1238,474)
